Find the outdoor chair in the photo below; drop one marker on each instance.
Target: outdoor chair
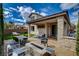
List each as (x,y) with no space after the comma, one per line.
(44,40)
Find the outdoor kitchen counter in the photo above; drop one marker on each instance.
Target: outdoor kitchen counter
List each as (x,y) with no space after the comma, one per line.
(37,50)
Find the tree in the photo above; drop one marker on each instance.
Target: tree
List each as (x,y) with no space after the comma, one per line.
(77,42)
(1,30)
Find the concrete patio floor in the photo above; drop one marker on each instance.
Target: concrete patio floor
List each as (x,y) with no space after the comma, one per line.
(53,44)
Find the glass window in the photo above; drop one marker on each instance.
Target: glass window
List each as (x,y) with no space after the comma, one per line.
(33,17)
(32,28)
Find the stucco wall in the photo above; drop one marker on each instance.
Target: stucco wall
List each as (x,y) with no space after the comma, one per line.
(41,31)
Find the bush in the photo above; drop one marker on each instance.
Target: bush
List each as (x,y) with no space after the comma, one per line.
(31,35)
(77,42)
(8,36)
(26,35)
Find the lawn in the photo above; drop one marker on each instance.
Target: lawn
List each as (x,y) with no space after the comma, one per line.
(8,36)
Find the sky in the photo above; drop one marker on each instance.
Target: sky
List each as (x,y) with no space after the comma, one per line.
(19,12)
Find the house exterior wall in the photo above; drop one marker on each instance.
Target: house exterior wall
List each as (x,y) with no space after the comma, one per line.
(66,28)
(49,30)
(63,44)
(35,29)
(35,16)
(62,28)
(41,31)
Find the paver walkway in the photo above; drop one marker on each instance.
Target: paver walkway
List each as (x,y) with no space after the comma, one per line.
(53,44)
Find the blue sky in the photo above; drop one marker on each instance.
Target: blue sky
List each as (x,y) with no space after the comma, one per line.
(19,12)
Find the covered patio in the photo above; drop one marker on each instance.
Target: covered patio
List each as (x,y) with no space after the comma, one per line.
(52,28)
(55,28)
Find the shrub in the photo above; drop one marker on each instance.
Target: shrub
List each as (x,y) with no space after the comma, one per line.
(77,42)
(31,35)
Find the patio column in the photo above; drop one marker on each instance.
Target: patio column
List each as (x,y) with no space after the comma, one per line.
(60,35)
(66,29)
(36,30)
(45,29)
(28,30)
(60,25)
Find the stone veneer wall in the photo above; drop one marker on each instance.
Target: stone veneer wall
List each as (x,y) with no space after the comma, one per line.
(65,45)
(69,43)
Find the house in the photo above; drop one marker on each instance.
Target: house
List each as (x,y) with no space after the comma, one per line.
(72,30)
(54,26)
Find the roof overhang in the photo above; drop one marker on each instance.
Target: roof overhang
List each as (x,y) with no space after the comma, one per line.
(64,13)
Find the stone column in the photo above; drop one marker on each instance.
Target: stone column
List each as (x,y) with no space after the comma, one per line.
(46,30)
(65,29)
(60,25)
(60,33)
(28,30)
(36,30)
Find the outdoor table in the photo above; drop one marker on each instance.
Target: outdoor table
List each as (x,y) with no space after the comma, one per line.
(21,38)
(19,51)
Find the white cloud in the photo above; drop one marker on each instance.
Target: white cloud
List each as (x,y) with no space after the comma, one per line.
(46,9)
(43,14)
(25,11)
(7,14)
(14,9)
(33,11)
(38,12)
(64,6)
(75,13)
(73,19)
(6,9)
(17,20)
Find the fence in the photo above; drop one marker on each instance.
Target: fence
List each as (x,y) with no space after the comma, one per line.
(8,31)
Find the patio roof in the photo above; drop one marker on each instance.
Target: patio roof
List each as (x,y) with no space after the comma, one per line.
(64,13)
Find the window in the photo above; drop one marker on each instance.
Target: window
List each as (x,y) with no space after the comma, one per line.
(32,28)
(33,17)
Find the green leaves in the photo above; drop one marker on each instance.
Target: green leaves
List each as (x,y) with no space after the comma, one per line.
(1,30)
(77,43)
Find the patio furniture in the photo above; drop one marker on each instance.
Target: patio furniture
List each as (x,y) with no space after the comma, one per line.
(11,44)
(9,50)
(20,39)
(44,40)
(19,51)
